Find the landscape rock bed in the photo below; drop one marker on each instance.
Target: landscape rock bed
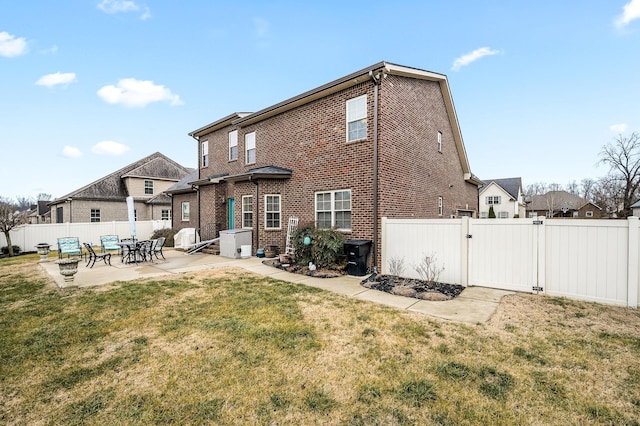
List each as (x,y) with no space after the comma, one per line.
(411,287)
(304,270)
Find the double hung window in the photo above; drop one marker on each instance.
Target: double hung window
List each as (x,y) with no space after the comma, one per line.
(333,209)
(495,199)
(148,187)
(250,148)
(95,215)
(204,147)
(247,211)
(272,212)
(185,211)
(233,145)
(357,118)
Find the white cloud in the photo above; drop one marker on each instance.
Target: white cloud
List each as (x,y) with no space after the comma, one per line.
(51,80)
(630,12)
(109,148)
(11,46)
(137,93)
(466,59)
(71,152)
(117,6)
(124,6)
(618,128)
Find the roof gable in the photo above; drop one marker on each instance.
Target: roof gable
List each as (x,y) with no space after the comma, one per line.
(112,186)
(512,186)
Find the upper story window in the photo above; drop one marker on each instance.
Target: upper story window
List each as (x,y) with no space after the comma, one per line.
(272,212)
(148,187)
(233,145)
(589,213)
(333,209)
(250,148)
(205,153)
(247,211)
(95,215)
(185,211)
(357,118)
(165,215)
(440,206)
(439,141)
(495,199)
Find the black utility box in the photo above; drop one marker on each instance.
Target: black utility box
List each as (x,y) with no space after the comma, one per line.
(357,252)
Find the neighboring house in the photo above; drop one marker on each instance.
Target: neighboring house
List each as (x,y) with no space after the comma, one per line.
(105,199)
(39,213)
(561,204)
(381,142)
(635,208)
(506,197)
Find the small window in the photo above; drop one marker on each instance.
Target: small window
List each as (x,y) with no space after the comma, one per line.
(439,141)
(250,148)
(247,211)
(233,145)
(205,153)
(492,200)
(185,211)
(589,213)
(95,215)
(148,187)
(503,215)
(165,215)
(484,215)
(440,206)
(333,209)
(272,212)
(575,214)
(533,215)
(357,118)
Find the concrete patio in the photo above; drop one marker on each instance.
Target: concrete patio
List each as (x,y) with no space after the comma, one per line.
(473,305)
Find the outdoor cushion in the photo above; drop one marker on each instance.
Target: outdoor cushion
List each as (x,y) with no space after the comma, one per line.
(109,242)
(69,246)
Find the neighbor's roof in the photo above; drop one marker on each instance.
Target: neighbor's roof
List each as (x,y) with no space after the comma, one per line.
(184,184)
(557,200)
(365,74)
(511,186)
(112,186)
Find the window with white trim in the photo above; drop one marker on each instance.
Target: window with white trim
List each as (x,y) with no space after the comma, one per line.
(247,211)
(185,211)
(250,148)
(233,145)
(495,199)
(589,213)
(333,209)
(575,213)
(95,215)
(440,206)
(357,118)
(533,215)
(272,212)
(439,141)
(484,215)
(165,215)
(503,215)
(204,147)
(148,187)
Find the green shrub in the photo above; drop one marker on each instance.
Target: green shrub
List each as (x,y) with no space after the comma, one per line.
(326,248)
(492,213)
(5,250)
(167,233)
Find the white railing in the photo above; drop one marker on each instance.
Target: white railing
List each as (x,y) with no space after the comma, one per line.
(585,259)
(28,236)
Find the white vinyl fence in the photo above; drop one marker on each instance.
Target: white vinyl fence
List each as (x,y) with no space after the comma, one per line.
(584,259)
(28,236)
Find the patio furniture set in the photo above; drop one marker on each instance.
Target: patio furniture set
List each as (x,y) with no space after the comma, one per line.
(129,249)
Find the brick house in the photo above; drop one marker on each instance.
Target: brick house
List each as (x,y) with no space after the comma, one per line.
(562,204)
(105,199)
(381,142)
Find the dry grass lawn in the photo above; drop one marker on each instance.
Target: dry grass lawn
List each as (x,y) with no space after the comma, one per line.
(227,347)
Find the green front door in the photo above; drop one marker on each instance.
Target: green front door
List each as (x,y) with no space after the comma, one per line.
(230,212)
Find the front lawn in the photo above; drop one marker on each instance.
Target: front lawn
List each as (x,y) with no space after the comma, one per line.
(227,347)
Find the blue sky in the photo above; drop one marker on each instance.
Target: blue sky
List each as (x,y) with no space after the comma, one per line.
(89,86)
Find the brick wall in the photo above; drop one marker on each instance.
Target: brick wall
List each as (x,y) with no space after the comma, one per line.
(311,141)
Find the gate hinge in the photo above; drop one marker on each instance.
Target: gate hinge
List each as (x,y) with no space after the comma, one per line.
(538,289)
(537,222)
(469,236)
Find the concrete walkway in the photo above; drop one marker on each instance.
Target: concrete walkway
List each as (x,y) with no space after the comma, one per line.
(473,305)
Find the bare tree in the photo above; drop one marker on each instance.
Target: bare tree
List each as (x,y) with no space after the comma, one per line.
(536,188)
(573,188)
(24,203)
(623,158)
(586,188)
(10,217)
(555,187)
(43,197)
(608,195)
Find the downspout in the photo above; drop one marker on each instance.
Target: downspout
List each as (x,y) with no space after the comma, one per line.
(256,223)
(197,188)
(376,83)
